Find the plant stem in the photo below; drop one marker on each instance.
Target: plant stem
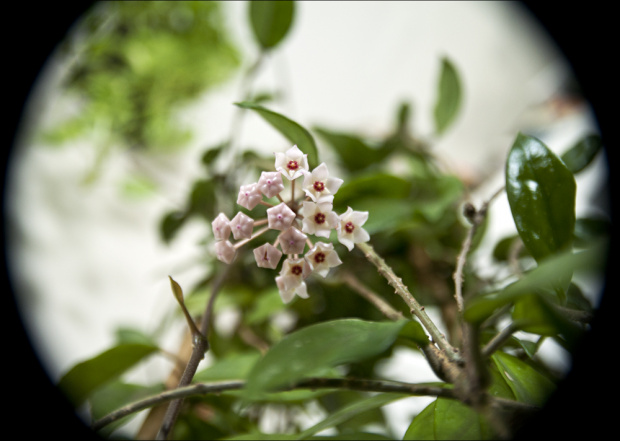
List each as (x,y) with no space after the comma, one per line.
(201,345)
(384,307)
(416,309)
(198,389)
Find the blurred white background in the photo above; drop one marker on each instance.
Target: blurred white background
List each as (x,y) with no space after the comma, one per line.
(87,259)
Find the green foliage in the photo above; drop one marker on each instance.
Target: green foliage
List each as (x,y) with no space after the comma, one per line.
(271,21)
(291,130)
(541,192)
(416,226)
(85,377)
(137,62)
(449,96)
(304,353)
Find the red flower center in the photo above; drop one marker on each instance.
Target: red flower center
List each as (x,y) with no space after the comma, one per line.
(297,270)
(292,165)
(319,257)
(319,218)
(319,186)
(349,227)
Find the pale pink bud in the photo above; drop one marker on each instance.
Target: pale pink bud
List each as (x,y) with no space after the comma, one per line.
(241,226)
(267,256)
(225,251)
(270,183)
(280,217)
(221,227)
(292,241)
(249,196)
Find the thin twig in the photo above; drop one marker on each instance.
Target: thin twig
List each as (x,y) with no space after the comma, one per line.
(201,345)
(384,307)
(402,290)
(476,217)
(199,389)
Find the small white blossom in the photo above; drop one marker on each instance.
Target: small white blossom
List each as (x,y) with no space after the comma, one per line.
(267,256)
(319,186)
(224,251)
(350,229)
(249,196)
(270,183)
(319,219)
(221,227)
(291,279)
(292,241)
(280,217)
(241,226)
(292,163)
(322,257)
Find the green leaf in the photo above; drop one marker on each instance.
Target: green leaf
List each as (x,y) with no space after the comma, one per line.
(85,377)
(131,335)
(541,192)
(291,130)
(353,152)
(271,21)
(449,96)
(170,224)
(202,199)
(528,385)
(448,419)
(555,268)
(233,367)
(115,395)
(324,345)
(581,154)
(350,411)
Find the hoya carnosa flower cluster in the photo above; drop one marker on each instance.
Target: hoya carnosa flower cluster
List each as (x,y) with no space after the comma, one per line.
(295,219)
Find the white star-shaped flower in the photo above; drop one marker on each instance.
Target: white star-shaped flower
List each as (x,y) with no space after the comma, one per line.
(322,257)
(225,251)
(292,163)
(350,229)
(319,219)
(291,279)
(241,226)
(267,256)
(221,227)
(319,186)
(249,196)
(280,217)
(270,183)
(292,241)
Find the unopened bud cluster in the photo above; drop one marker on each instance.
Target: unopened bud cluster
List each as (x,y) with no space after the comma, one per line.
(296,219)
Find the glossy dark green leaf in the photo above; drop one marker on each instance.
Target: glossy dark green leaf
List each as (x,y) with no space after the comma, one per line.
(351,410)
(291,130)
(271,21)
(528,384)
(320,346)
(541,192)
(588,229)
(581,154)
(448,419)
(353,152)
(449,96)
(85,377)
